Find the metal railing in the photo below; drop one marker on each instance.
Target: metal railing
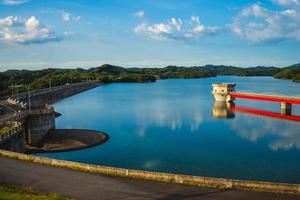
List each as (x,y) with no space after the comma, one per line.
(34,93)
(17,116)
(268,94)
(17,128)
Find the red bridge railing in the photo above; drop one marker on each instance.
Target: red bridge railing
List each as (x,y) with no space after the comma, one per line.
(266,97)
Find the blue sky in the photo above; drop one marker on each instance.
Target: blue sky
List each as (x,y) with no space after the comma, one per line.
(37,34)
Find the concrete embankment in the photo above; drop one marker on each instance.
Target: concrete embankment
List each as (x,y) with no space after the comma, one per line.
(163,177)
(60,140)
(90,186)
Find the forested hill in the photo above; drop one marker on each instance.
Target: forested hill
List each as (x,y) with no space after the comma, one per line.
(238,71)
(37,79)
(292,72)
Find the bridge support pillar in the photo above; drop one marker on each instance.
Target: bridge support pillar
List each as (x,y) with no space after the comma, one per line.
(286,108)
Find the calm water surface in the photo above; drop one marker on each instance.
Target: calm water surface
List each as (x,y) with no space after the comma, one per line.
(174,126)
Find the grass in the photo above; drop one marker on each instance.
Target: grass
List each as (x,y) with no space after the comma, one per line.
(13,193)
(6,129)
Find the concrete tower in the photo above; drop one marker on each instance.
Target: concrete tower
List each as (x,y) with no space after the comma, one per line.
(221,91)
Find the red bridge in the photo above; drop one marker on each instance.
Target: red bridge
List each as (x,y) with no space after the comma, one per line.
(266,97)
(225,92)
(286,104)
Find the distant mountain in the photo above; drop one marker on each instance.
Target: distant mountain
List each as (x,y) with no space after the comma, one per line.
(108,69)
(238,71)
(295,65)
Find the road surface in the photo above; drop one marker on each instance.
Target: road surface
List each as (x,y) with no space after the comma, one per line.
(86,186)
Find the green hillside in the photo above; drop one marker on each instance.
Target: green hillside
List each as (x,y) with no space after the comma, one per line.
(21,80)
(292,73)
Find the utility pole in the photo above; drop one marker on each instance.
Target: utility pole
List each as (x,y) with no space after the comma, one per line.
(12,90)
(17,93)
(50,84)
(29,100)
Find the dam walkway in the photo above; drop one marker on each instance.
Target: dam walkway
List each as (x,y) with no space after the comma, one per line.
(81,185)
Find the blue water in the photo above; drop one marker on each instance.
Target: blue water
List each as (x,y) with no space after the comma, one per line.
(169,126)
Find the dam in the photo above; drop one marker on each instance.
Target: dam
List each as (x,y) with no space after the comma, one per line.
(31,117)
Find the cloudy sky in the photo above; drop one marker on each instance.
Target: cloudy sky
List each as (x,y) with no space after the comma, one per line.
(148,33)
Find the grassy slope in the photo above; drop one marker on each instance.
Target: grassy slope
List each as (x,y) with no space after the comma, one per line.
(12,193)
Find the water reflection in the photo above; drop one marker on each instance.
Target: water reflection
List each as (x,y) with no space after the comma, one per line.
(162,113)
(281,135)
(222,110)
(285,135)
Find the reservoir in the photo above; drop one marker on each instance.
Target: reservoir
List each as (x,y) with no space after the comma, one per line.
(175,126)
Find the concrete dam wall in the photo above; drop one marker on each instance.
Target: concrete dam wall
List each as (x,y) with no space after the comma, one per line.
(36,115)
(38,124)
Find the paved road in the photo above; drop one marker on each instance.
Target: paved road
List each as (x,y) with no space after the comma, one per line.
(80,185)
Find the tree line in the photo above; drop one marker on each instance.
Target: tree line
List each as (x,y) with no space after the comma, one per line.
(13,81)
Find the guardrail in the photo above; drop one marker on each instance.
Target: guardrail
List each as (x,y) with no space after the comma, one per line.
(17,116)
(47,110)
(269,94)
(34,93)
(17,127)
(22,100)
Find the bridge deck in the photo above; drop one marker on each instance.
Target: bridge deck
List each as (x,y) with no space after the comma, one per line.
(266,97)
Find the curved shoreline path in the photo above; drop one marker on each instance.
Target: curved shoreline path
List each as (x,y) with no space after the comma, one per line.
(62,140)
(82,185)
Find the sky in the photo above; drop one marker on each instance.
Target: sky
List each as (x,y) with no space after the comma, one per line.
(37,34)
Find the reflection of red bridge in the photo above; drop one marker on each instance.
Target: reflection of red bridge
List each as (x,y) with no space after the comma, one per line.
(286,105)
(264,113)
(266,97)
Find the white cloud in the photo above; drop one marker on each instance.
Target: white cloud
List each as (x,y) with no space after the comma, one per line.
(256,23)
(77,18)
(68,33)
(139,14)
(66,16)
(287,2)
(14,2)
(25,31)
(176,29)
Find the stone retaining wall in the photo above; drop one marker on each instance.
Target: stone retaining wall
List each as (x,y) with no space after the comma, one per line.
(163,177)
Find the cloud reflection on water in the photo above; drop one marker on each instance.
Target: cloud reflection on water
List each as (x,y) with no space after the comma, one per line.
(173,115)
(281,134)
